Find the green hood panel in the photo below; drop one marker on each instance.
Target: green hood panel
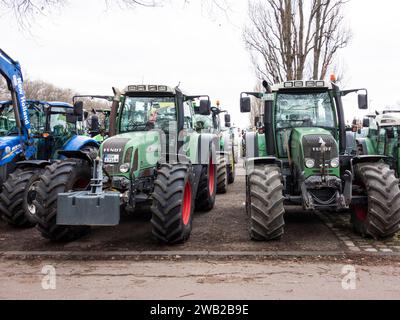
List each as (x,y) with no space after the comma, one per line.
(305,144)
(140,149)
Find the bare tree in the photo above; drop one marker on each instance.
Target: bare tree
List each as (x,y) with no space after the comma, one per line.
(295,39)
(4,92)
(39,90)
(25,11)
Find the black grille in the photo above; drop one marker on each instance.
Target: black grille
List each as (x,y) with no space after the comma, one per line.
(114,146)
(312,148)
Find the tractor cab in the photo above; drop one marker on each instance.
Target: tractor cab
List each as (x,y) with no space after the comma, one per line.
(383,137)
(148,122)
(52,125)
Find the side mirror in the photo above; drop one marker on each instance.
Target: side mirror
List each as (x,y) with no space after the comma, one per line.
(245,105)
(205,107)
(363,102)
(366,123)
(78,108)
(256,121)
(227,118)
(72,118)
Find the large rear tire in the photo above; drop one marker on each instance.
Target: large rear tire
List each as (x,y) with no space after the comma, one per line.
(381,217)
(173,204)
(60,177)
(207,189)
(222,175)
(12,204)
(264,203)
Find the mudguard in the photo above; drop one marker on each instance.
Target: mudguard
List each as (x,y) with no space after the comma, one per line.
(252,145)
(369,159)
(207,143)
(78,142)
(264,160)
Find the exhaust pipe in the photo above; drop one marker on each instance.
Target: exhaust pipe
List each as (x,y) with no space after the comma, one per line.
(114,112)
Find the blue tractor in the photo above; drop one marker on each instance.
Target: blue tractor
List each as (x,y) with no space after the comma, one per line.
(32,135)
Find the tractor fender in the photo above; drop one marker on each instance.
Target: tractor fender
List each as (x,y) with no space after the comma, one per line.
(251,162)
(33,164)
(227,142)
(370,159)
(252,145)
(78,154)
(206,143)
(365,144)
(78,142)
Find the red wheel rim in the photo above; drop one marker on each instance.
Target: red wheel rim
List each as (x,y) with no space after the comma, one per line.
(361,212)
(187,204)
(211,177)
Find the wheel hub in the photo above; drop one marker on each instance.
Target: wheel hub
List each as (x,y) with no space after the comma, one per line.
(32,193)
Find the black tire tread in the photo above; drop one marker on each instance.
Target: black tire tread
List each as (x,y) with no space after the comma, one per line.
(167,202)
(382,187)
(204,201)
(222,175)
(53,182)
(12,198)
(265,203)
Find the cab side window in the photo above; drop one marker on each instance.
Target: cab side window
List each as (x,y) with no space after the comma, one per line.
(188,115)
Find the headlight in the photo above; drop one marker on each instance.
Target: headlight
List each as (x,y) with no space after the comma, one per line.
(310,163)
(335,163)
(124,168)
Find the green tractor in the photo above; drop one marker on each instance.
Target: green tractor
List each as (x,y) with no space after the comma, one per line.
(381,137)
(303,159)
(226,169)
(153,157)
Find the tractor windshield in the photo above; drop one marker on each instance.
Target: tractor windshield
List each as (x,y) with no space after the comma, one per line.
(8,124)
(62,122)
(206,123)
(7,119)
(295,110)
(148,113)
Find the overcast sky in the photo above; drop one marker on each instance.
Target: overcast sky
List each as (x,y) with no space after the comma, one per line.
(90,49)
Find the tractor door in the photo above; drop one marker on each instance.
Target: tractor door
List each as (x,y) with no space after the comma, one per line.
(61,128)
(37,115)
(188,124)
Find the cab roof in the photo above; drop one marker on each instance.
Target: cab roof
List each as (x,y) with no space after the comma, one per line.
(388,120)
(302,84)
(51,103)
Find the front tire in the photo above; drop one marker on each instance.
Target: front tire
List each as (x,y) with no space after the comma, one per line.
(60,177)
(207,189)
(264,203)
(222,175)
(173,204)
(12,198)
(381,217)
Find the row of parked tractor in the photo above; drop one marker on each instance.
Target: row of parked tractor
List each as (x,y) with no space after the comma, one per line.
(163,148)
(167,152)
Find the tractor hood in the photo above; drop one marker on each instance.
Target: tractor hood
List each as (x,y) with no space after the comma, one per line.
(315,146)
(8,146)
(135,151)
